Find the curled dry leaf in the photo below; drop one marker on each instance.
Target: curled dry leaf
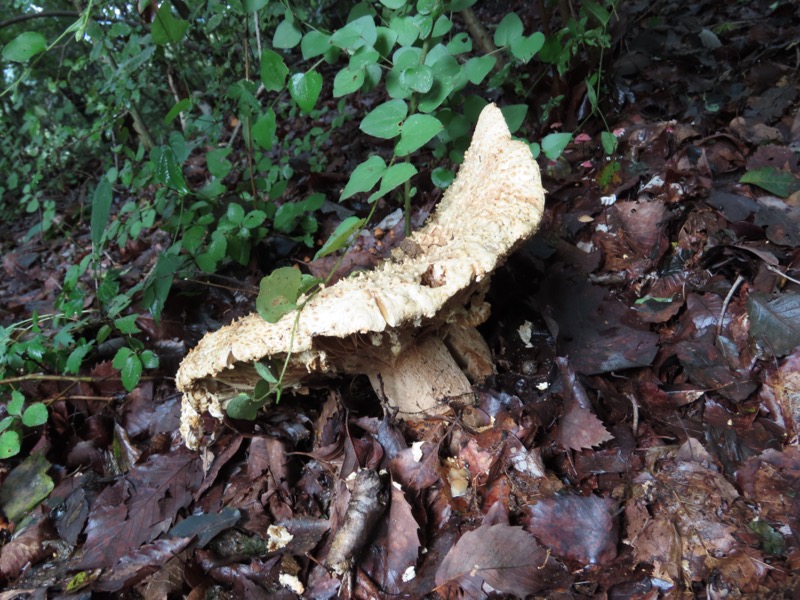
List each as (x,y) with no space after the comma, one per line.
(367,503)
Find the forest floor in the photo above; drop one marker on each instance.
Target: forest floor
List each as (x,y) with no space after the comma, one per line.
(639,438)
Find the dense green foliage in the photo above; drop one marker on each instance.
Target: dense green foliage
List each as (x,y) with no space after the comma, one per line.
(132,100)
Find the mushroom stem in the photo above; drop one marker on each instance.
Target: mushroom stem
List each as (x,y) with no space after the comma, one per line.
(422,379)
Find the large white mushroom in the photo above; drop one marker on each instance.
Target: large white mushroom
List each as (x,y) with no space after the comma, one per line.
(409,324)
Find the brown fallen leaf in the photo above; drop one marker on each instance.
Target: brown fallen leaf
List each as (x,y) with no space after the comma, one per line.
(504,558)
(579,428)
(367,504)
(582,528)
(139,507)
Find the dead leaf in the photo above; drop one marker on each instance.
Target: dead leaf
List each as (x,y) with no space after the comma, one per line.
(506,558)
(579,428)
(139,507)
(581,528)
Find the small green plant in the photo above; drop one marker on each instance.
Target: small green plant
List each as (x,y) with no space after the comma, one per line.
(19,416)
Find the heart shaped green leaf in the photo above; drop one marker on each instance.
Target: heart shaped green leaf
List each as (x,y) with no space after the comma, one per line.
(304,88)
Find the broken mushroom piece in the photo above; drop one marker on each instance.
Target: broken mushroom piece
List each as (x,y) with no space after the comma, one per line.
(409,324)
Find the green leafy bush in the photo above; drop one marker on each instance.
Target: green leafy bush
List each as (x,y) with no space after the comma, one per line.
(147,102)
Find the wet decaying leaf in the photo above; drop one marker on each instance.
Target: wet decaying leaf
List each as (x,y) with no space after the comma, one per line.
(393,556)
(591,327)
(698,523)
(500,557)
(581,528)
(139,507)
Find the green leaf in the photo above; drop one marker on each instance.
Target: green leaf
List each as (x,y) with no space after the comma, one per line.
(167,29)
(251,6)
(395,176)
(609,141)
(215,252)
(553,144)
(460,44)
(478,67)
(265,372)
(418,78)
(278,293)
(514,115)
(356,34)
(364,177)
(394,4)
(130,367)
(177,109)
(340,236)
(364,57)
(158,285)
(509,29)
(525,48)
(243,407)
(347,81)
(417,131)
(217,162)
(442,26)
(406,29)
(775,181)
(35,415)
(597,11)
(14,407)
(167,170)
(101,208)
(254,218)
(75,358)
(287,35)
(7,422)
(386,40)
(127,325)
(441,177)
(273,71)
(384,120)
(775,322)
(25,46)
(9,444)
(149,359)
(305,89)
(235,213)
(263,130)
(314,43)
(289,214)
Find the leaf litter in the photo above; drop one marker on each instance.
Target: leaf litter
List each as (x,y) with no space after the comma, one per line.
(641,442)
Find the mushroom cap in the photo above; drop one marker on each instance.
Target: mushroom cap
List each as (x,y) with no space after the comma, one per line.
(493,205)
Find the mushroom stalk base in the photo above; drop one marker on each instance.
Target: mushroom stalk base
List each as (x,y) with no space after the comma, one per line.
(422,380)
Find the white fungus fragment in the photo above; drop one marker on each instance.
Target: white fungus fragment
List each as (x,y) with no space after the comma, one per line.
(525,333)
